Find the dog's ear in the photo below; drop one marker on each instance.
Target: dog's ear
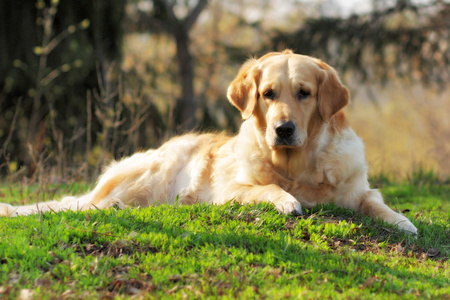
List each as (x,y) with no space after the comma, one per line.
(332,94)
(243,90)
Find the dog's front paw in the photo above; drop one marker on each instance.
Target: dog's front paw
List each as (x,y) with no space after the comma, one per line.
(289,207)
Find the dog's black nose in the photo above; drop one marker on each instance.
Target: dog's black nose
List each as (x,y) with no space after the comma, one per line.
(285,130)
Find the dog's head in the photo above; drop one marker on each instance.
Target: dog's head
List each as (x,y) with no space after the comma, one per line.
(288,94)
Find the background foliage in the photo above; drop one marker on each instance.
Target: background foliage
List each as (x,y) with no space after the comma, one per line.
(83,82)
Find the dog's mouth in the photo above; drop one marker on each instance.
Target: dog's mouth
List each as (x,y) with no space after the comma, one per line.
(285,142)
(277,143)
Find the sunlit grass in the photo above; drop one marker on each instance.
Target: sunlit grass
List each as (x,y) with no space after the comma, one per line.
(230,251)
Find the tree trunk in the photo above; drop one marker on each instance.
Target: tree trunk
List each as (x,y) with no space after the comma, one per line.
(187,104)
(180,28)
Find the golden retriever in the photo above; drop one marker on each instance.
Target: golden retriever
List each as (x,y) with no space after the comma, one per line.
(295,148)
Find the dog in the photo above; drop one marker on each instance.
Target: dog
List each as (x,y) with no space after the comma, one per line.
(294,148)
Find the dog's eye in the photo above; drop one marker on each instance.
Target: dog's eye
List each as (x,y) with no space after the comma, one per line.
(302,94)
(269,94)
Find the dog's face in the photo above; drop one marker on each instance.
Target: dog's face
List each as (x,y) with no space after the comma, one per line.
(288,94)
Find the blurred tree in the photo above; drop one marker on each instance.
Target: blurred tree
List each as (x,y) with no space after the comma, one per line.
(407,39)
(53,52)
(177,19)
(41,42)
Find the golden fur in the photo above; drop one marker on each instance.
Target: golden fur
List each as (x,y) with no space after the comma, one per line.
(295,148)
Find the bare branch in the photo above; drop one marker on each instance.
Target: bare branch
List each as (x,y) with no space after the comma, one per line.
(13,126)
(193,15)
(190,19)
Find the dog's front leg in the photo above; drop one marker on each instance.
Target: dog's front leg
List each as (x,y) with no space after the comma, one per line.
(283,201)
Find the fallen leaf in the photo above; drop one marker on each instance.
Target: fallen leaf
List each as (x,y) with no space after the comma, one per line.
(133,234)
(433,252)
(25,294)
(369,282)
(3,289)
(175,278)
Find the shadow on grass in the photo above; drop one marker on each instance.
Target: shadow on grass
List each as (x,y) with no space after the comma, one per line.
(251,241)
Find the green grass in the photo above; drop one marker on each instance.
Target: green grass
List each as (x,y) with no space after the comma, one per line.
(230,251)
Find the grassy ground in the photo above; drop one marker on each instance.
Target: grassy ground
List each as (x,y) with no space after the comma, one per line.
(231,251)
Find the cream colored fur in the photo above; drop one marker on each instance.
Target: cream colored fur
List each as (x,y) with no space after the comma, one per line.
(321,162)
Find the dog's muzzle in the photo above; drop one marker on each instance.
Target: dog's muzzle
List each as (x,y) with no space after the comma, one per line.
(285,133)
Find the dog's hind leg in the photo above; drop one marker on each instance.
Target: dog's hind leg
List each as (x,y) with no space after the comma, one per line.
(67,203)
(107,196)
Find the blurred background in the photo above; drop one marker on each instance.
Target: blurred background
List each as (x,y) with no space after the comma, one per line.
(83,82)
